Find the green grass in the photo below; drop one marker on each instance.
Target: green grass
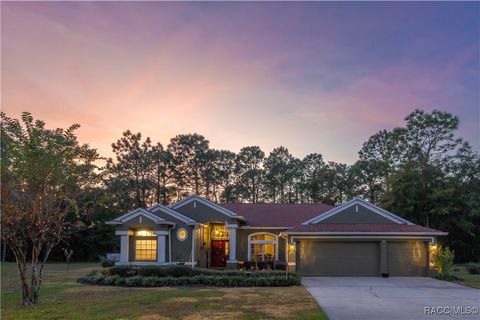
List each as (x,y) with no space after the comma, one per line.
(61,297)
(471,280)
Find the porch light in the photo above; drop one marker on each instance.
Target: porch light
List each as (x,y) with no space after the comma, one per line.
(292,247)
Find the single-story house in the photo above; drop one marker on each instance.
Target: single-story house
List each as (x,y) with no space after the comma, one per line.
(355,238)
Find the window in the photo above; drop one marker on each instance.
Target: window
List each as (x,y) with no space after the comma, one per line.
(218,232)
(263,247)
(145,246)
(182,234)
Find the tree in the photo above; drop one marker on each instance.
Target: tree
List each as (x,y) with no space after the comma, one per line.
(381,151)
(130,175)
(312,171)
(162,174)
(429,137)
(43,171)
(221,171)
(279,167)
(369,174)
(249,168)
(189,154)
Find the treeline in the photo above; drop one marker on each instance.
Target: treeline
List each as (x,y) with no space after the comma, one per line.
(421,171)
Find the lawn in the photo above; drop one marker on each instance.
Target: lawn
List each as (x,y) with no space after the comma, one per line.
(471,280)
(61,297)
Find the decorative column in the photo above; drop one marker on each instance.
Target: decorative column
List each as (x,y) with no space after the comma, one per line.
(161,244)
(232,245)
(124,244)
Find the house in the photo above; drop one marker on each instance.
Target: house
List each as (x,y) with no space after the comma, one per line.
(355,238)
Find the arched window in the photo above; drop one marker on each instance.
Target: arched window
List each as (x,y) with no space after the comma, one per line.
(263,246)
(145,245)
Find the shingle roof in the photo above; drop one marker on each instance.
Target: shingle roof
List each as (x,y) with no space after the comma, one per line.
(276,214)
(351,227)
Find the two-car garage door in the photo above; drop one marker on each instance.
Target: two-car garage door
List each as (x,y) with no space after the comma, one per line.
(361,258)
(319,258)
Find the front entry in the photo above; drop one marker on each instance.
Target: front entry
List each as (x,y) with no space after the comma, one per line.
(219,253)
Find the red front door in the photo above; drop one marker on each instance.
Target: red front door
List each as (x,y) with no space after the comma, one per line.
(219,259)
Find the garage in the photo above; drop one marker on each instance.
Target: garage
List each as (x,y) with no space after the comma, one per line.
(407,258)
(341,258)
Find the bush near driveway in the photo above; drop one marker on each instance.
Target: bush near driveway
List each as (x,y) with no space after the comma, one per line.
(473,267)
(173,276)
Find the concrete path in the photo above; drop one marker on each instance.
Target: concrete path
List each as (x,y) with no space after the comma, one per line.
(392,298)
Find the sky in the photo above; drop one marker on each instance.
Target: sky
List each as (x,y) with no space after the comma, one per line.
(314,76)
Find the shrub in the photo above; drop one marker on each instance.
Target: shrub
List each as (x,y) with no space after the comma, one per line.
(105,262)
(124,271)
(97,278)
(217,280)
(447,276)
(119,281)
(473,267)
(179,271)
(443,261)
(135,281)
(150,281)
(152,271)
(112,280)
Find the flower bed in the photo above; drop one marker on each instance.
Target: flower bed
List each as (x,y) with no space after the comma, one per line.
(172,276)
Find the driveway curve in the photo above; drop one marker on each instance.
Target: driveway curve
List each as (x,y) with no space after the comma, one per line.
(394,298)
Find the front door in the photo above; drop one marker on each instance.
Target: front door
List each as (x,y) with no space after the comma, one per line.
(219,258)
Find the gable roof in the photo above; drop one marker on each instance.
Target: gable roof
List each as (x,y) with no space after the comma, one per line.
(139,212)
(276,215)
(208,203)
(353,228)
(358,201)
(158,207)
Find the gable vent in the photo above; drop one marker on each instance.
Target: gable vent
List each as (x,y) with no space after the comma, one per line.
(356,208)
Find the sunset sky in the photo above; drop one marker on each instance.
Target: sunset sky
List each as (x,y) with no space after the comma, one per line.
(314,77)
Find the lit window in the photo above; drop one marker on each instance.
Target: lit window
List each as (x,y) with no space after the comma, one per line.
(145,245)
(263,236)
(182,234)
(144,233)
(219,232)
(145,249)
(263,247)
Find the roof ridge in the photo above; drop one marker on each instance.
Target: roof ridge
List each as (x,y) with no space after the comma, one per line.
(263,203)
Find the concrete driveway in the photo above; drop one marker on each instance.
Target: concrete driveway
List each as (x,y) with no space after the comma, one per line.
(391,298)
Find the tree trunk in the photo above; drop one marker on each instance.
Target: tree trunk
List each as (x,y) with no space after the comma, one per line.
(37,271)
(4,250)
(22,272)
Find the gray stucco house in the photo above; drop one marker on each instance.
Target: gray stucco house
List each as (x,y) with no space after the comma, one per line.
(355,238)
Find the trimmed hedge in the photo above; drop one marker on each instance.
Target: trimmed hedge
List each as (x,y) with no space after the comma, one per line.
(173,276)
(177,271)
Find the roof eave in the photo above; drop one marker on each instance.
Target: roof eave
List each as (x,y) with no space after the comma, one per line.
(366,233)
(166,222)
(113,222)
